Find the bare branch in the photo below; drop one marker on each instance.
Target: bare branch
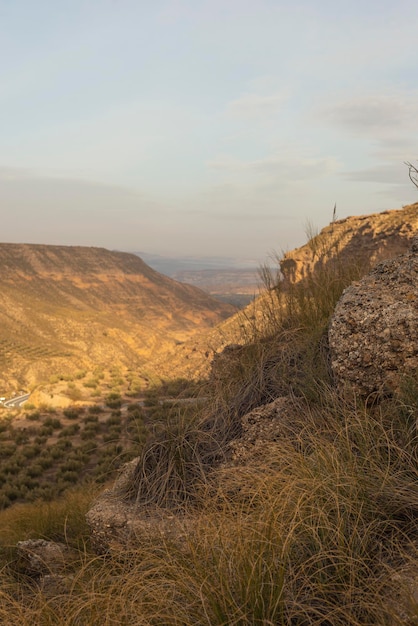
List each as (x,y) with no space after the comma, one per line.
(413,173)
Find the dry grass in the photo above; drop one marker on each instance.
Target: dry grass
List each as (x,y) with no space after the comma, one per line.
(312,536)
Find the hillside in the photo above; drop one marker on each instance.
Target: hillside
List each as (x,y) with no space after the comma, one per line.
(366,238)
(63,309)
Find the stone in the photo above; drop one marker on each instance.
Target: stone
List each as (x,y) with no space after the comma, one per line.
(118,522)
(55,585)
(373,333)
(38,557)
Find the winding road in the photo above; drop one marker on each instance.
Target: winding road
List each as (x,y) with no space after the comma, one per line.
(17,401)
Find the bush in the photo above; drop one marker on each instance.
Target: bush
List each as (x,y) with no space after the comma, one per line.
(72,413)
(89,432)
(114,400)
(53,423)
(69,431)
(95,409)
(34,417)
(114,419)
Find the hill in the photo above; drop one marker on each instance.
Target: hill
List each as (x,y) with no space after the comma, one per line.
(366,238)
(76,309)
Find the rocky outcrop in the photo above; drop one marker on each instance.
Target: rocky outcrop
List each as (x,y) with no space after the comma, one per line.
(265,425)
(373,334)
(117,521)
(369,239)
(47,564)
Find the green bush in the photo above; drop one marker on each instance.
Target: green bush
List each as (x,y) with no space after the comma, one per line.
(69,431)
(53,423)
(95,409)
(34,417)
(89,432)
(72,413)
(113,400)
(114,419)
(32,451)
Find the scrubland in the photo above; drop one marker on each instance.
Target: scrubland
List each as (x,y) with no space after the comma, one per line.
(319,527)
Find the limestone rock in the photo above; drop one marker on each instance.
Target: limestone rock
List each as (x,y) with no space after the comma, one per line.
(282,420)
(38,557)
(54,586)
(117,522)
(373,334)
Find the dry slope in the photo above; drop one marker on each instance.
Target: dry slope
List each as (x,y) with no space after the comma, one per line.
(368,239)
(63,308)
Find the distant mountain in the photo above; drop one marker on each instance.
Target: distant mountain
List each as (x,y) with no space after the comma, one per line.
(170,265)
(231,280)
(64,308)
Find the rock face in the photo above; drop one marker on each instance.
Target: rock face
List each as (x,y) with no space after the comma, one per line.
(373,334)
(261,428)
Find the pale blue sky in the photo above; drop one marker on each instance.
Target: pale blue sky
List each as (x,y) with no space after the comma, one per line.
(210,127)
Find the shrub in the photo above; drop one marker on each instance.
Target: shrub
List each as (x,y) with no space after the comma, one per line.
(114,400)
(34,417)
(89,432)
(95,409)
(91,419)
(91,383)
(29,452)
(114,419)
(53,423)
(36,469)
(72,413)
(69,431)
(45,431)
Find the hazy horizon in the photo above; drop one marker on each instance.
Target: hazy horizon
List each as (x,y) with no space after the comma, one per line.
(206,128)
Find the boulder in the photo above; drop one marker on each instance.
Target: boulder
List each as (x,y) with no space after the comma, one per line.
(264,426)
(118,522)
(38,557)
(373,334)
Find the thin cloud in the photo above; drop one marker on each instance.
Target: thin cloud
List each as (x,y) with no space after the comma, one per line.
(278,166)
(375,115)
(255,105)
(388,174)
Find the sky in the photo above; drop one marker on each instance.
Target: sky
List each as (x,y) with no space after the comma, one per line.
(203,127)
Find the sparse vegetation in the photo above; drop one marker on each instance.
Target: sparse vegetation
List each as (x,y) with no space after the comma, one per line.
(51,449)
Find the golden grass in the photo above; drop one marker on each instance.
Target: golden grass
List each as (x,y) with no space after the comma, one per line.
(312,536)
